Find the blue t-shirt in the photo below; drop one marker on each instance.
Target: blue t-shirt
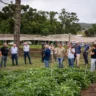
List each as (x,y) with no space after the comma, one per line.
(47,54)
(78,49)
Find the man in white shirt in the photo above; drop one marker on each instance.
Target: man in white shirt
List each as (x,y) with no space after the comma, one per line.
(70,54)
(26,49)
(14,51)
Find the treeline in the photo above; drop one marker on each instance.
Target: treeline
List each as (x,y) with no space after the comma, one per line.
(91,31)
(39,22)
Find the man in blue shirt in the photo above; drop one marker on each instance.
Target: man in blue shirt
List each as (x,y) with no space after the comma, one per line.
(85,53)
(47,56)
(77,52)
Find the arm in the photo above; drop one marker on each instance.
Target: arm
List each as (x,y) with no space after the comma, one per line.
(72,51)
(92,53)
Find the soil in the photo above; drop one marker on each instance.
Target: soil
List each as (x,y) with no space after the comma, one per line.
(91,91)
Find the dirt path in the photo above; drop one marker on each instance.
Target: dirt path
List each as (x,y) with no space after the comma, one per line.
(91,91)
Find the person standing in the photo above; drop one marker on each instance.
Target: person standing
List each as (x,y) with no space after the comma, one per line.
(42,52)
(93,58)
(47,56)
(14,51)
(4,53)
(78,52)
(55,52)
(85,53)
(60,55)
(70,54)
(51,47)
(26,49)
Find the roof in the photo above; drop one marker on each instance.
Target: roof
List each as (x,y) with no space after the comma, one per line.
(57,37)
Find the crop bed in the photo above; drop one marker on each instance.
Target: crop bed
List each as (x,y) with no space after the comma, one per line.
(45,82)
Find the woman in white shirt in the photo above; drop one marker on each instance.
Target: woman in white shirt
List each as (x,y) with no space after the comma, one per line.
(70,54)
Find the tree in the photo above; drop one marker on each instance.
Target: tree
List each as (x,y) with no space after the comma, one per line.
(68,21)
(17,23)
(34,21)
(91,32)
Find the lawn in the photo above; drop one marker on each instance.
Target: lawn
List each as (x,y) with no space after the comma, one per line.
(36,63)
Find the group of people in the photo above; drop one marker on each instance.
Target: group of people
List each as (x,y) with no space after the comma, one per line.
(51,53)
(72,52)
(14,54)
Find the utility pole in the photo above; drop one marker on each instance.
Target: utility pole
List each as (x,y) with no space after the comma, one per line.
(17,22)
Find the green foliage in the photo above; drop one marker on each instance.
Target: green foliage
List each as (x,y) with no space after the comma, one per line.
(40,82)
(69,22)
(38,22)
(91,32)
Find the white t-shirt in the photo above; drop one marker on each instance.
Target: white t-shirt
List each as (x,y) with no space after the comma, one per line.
(70,54)
(26,48)
(14,50)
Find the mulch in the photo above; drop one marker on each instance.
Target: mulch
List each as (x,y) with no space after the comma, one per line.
(91,91)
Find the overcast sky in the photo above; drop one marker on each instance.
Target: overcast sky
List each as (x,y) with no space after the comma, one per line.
(85,9)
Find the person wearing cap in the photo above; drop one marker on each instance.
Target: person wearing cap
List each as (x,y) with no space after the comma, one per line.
(93,58)
(60,55)
(26,49)
(14,54)
(77,52)
(47,56)
(4,54)
(70,54)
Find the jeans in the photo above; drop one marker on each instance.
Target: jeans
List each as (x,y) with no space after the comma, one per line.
(60,62)
(85,55)
(3,61)
(14,58)
(46,62)
(71,62)
(93,62)
(26,54)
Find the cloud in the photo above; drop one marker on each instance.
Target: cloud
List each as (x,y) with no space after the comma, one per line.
(85,9)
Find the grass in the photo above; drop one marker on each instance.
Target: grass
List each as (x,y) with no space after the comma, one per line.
(36,63)
(31,46)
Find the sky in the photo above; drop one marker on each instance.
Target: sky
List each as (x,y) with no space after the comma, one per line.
(85,9)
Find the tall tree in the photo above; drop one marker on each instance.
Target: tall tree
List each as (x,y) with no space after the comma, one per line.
(17,22)
(68,20)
